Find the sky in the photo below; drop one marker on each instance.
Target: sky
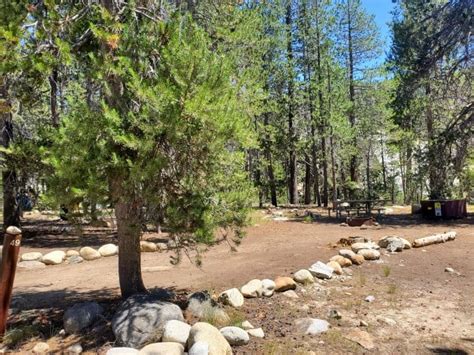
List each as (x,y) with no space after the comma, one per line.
(382,11)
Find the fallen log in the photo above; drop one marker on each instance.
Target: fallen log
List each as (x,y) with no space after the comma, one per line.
(434,239)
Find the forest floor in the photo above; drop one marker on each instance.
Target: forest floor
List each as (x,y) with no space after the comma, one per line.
(418,308)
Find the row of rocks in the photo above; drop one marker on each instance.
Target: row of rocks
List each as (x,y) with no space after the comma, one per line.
(36,260)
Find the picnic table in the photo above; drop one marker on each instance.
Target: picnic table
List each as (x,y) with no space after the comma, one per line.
(355,207)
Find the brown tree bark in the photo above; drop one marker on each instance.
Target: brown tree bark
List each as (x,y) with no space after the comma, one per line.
(11,212)
(292,162)
(352,118)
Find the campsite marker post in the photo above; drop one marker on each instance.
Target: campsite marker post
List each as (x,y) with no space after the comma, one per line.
(11,249)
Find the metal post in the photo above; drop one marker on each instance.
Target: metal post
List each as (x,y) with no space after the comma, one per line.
(11,249)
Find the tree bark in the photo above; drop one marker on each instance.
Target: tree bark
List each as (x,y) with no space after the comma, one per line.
(292,163)
(307,181)
(11,211)
(128,210)
(352,118)
(53,99)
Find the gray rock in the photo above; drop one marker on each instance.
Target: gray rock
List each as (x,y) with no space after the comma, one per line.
(176,331)
(311,326)
(346,253)
(162,349)
(333,313)
(31,265)
(122,351)
(80,316)
(140,318)
(235,335)
(199,348)
(321,270)
(368,245)
(204,332)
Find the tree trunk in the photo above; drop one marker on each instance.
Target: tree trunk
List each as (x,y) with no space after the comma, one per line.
(11,212)
(292,163)
(53,98)
(128,214)
(384,170)
(322,118)
(331,141)
(307,180)
(269,162)
(352,118)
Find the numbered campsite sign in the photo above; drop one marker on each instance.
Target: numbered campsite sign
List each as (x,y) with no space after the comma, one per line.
(437,206)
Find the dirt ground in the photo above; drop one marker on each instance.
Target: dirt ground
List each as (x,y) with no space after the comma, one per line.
(433,310)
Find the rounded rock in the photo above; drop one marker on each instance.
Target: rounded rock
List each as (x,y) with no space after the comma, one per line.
(256,333)
(344,262)
(165,348)
(232,297)
(369,254)
(176,331)
(148,247)
(284,283)
(268,287)
(335,266)
(303,276)
(235,335)
(54,257)
(204,332)
(72,252)
(108,250)
(33,256)
(252,289)
(89,254)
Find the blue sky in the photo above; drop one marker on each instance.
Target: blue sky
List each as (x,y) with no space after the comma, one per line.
(382,11)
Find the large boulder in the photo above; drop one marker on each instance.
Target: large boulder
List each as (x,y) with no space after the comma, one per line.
(303,276)
(235,335)
(162,349)
(268,287)
(141,318)
(81,316)
(284,283)
(176,331)
(369,254)
(252,289)
(204,332)
(108,250)
(321,270)
(88,253)
(232,297)
(33,256)
(54,257)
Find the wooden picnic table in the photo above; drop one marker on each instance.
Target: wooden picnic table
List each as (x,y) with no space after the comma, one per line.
(357,206)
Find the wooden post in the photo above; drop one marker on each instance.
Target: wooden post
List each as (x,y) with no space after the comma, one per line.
(11,249)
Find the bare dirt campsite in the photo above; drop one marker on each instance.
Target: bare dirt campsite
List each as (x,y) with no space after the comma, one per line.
(420,299)
(218,177)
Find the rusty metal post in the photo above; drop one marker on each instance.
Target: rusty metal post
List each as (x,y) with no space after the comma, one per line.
(11,249)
